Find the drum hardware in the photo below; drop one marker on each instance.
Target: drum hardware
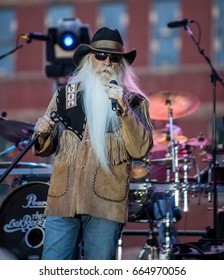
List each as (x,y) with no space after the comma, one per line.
(175,162)
(120,248)
(161,138)
(187,160)
(178,104)
(168,244)
(143,198)
(200,141)
(174,148)
(11,148)
(167,161)
(165,140)
(168,178)
(163,204)
(24,168)
(204,185)
(150,250)
(209,181)
(220,158)
(185,185)
(23,152)
(167,236)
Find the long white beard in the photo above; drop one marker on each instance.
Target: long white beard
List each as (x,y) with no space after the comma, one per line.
(100,117)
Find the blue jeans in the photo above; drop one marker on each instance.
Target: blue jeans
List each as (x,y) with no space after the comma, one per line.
(82,236)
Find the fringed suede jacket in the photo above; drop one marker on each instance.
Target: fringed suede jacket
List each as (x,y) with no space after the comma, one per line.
(79,185)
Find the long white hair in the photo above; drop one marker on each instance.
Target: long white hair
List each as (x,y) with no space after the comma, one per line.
(100,117)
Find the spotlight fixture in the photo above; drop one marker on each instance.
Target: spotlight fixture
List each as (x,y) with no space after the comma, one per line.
(65,38)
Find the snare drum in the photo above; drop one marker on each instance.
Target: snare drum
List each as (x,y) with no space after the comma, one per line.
(139,208)
(22,221)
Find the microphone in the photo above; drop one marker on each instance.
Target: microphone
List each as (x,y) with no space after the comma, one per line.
(35,36)
(114,101)
(179,23)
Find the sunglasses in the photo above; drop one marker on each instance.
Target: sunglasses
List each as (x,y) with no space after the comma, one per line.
(101,56)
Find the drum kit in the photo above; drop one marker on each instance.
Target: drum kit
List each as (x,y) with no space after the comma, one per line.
(21,210)
(173,179)
(23,199)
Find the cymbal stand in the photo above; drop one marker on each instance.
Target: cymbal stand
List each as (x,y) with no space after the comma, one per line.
(185,185)
(165,253)
(174,153)
(120,248)
(150,250)
(209,181)
(199,186)
(167,174)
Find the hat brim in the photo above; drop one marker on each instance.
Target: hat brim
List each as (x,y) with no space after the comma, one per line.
(84,49)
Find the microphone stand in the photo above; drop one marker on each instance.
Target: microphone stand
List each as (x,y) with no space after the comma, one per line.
(11,52)
(24,151)
(29,40)
(215,76)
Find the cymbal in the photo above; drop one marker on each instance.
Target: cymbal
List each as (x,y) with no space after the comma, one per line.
(15,131)
(160,136)
(196,143)
(181,103)
(177,138)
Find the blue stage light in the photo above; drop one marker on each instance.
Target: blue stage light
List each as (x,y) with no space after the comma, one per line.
(65,38)
(68,41)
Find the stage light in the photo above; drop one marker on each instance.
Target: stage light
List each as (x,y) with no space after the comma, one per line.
(67,41)
(65,38)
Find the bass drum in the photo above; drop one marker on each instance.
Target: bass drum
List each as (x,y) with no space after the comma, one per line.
(22,221)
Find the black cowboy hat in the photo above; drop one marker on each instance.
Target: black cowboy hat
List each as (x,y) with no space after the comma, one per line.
(105,40)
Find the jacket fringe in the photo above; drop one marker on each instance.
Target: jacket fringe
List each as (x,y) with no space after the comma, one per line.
(117,151)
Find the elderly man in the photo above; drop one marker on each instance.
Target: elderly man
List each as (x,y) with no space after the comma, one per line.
(103,123)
